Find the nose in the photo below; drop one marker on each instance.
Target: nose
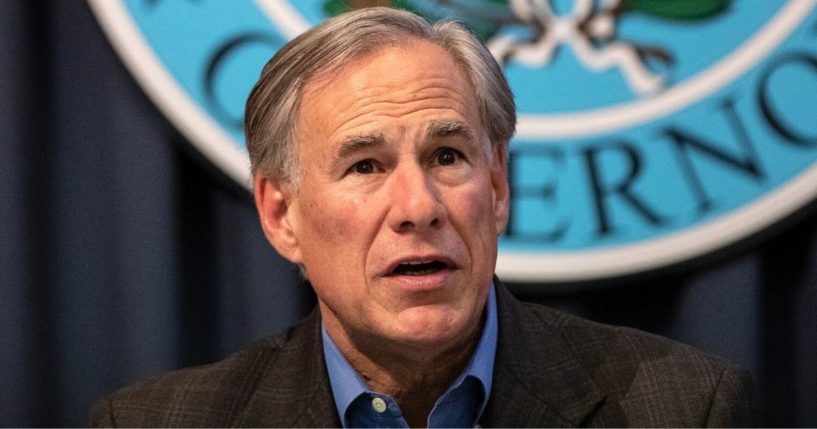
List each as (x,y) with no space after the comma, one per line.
(416,204)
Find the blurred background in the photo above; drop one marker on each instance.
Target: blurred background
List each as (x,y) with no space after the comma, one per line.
(124,253)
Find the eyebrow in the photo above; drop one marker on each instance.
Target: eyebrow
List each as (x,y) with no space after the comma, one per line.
(353,144)
(438,129)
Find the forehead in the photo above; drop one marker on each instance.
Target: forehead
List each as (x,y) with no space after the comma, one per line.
(394,87)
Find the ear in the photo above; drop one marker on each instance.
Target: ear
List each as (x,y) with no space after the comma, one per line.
(499,182)
(278,219)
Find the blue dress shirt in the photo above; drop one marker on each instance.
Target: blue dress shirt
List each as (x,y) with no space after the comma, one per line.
(460,406)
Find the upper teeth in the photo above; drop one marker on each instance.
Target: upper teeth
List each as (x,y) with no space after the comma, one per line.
(417,262)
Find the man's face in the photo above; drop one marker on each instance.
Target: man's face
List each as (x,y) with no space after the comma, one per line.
(400,199)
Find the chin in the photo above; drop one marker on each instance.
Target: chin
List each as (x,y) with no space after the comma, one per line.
(431,325)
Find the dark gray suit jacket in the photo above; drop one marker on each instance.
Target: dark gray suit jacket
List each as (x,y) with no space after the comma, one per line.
(551,369)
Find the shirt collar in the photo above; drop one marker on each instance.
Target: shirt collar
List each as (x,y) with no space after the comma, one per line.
(481,365)
(347,384)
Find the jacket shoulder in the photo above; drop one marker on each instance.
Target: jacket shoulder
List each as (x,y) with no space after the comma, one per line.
(650,380)
(208,395)
(599,345)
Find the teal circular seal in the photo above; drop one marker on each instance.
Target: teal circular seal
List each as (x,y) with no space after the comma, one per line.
(650,132)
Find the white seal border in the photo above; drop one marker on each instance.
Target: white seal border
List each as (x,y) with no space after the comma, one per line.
(674,248)
(193,122)
(534,128)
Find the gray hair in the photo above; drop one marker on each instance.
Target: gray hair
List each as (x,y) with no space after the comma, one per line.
(272,109)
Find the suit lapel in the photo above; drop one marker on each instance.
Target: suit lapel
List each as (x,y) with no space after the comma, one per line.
(294,389)
(538,381)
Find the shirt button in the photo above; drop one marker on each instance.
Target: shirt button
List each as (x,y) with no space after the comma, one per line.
(379,405)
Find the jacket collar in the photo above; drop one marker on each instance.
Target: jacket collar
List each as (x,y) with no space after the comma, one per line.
(294,390)
(538,379)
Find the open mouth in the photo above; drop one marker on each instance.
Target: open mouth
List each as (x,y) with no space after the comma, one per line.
(419,268)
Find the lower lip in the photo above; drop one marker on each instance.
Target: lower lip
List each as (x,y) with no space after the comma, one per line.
(426,282)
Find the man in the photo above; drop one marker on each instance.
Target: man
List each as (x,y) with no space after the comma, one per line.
(378,144)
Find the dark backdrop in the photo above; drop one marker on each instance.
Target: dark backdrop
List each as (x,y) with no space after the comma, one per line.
(124,254)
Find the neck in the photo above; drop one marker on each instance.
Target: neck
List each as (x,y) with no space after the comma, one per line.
(415,376)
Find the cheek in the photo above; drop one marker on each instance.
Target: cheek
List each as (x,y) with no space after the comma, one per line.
(476,204)
(335,232)
(328,222)
(476,222)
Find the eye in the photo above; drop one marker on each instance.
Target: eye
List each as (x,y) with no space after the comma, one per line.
(447,156)
(365,166)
